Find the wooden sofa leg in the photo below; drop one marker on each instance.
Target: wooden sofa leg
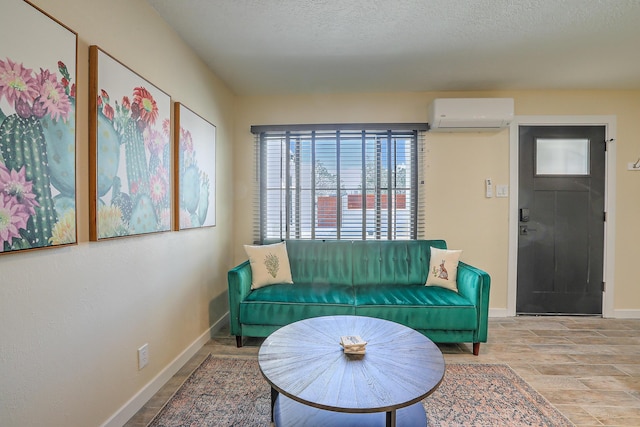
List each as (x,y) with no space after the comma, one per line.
(476,348)
(239,341)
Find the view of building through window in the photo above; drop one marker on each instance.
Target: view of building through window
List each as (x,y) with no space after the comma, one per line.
(338,184)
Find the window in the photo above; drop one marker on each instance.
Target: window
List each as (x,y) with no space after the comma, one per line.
(352,182)
(562,156)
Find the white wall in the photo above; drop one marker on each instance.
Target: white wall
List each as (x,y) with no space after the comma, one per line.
(72,318)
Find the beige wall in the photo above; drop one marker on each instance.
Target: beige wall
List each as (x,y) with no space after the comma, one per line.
(456,166)
(72,319)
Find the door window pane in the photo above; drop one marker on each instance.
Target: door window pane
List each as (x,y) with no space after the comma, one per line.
(562,156)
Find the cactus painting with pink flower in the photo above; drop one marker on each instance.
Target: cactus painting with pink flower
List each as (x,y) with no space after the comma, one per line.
(37,131)
(195,140)
(130,151)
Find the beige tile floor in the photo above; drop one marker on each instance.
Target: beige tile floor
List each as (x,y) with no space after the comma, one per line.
(588,368)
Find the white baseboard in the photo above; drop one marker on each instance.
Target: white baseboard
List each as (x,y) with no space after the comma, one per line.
(498,312)
(617,314)
(626,314)
(134,404)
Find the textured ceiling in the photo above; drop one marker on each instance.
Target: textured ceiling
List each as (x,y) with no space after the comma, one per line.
(307,46)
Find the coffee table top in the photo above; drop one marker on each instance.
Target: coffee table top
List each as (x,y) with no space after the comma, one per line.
(305,362)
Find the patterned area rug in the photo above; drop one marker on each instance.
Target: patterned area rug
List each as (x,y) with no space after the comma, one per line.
(232,392)
(488,395)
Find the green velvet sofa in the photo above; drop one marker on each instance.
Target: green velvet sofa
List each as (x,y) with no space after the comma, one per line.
(382,279)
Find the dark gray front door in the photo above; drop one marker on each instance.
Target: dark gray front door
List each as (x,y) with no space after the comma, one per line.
(561,219)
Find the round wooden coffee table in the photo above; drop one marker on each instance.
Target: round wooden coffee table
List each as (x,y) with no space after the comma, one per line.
(314,383)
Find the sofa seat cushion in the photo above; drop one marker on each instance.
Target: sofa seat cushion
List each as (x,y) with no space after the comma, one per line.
(419,306)
(282,304)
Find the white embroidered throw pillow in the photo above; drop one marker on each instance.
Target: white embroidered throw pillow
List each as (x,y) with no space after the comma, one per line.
(269,264)
(443,268)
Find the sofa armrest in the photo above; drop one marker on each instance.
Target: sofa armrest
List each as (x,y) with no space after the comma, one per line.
(239,280)
(474,285)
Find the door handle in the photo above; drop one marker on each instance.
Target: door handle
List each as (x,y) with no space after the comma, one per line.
(524,230)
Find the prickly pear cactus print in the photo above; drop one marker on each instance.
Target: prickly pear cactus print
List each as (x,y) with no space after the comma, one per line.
(61,151)
(196,166)
(190,189)
(133,149)
(108,155)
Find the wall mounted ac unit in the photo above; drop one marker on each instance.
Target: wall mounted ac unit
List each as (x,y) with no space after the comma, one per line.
(470,114)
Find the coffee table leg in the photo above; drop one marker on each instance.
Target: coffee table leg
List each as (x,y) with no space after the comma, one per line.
(274,396)
(391,418)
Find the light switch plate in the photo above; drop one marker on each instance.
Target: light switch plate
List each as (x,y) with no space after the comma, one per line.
(502,190)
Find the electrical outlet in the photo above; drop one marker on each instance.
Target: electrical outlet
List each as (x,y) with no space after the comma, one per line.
(143,356)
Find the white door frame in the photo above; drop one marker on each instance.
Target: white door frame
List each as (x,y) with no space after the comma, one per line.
(609,205)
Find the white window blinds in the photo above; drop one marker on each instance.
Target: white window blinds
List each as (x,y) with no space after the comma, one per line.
(352,182)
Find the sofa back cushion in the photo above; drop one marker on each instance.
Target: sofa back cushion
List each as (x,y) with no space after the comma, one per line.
(392,262)
(368,262)
(320,261)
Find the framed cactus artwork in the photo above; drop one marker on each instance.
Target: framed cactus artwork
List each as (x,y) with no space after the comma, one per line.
(37,130)
(195,171)
(130,158)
